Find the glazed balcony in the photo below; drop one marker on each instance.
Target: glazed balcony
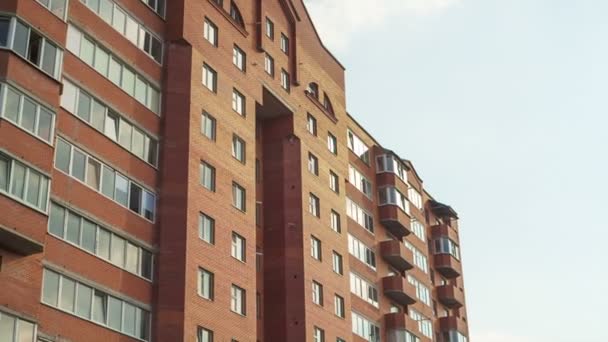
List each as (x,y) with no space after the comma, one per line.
(453,323)
(450,296)
(444,230)
(396,221)
(399,289)
(448,266)
(400,321)
(395,253)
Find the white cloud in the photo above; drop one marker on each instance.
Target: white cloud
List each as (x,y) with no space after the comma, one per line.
(339,20)
(500,337)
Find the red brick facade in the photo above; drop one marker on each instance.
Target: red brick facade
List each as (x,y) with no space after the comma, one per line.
(276,223)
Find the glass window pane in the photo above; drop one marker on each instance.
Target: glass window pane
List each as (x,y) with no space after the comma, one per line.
(135,198)
(98,113)
(7,327)
(26,331)
(78,165)
(141,90)
(49,59)
(58,7)
(118,251)
(115,71)
(153,100)
(102,59)
(119,20)
(128,81)
(93,4)
(68,291)
(28,115)
(74,40)
(11,109)
(122,190)
(34,48)
(45,123)
(84,107)
(105,10)
(146,264)
(125,132)
(18,180)
(21,39)
(132,30)
(131,258)
(152,152)
(114,313)
(93,173)
(149,206)
(68,97)
(62,157)
(33,188)
(73,229)
(50,289)
(108,182)
(129,319)
(100,307)
(57,220)
(103,244)
(89,231)
(138,143)
(4,26)
(83,301)
(87,50)
(111,126)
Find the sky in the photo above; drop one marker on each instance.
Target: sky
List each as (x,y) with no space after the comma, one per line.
(502,106)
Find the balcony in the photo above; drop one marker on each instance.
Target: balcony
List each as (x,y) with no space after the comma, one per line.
(399,289)
(395,253)
(17,243)
(447,265)
(444,230)
(453,323)
(400,321)
(450,296)
(395,220)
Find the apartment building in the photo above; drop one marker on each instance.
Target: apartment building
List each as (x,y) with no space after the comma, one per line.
(187,171)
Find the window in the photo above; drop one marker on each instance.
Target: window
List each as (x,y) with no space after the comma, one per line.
(238,300)
(116,71)
(208,126)
(26,113)
(359,181)
(210,32)
(454,336)
(313,164)
(91,237)
(209,78)
(390,163)
(157,6)
(335,222)
(235,14)
(311,125)
(92,304)
(107,121)
(14,329)
(446,246)
(358,147)
(205,284)
(403,336)
(284,44)
(204,335)
(359,215)
(364,289)
(57,7)
(360,251)
(319,335)
(315,248)
(420,260)
(332,143)
(418,229)
(337,263)
(129,27)
(269,64)
(238,197)
(422,292)
(239,58)
(317,293)
(238,149)
(208,176)
(339,306)
(314,206)
(23,183)
(313,90)
(327,104)
(238,102)
(392,196)
(285,80)
(334,182)
(101,177)
(269,29)
(415,197)
(425,326)
(5,24)
(365,328)
(206,228)
(238,247)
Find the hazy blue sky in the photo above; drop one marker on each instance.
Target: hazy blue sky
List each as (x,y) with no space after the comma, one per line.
(502,105)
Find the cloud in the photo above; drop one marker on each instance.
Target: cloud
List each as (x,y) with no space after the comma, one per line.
(338,21)
(501,337)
